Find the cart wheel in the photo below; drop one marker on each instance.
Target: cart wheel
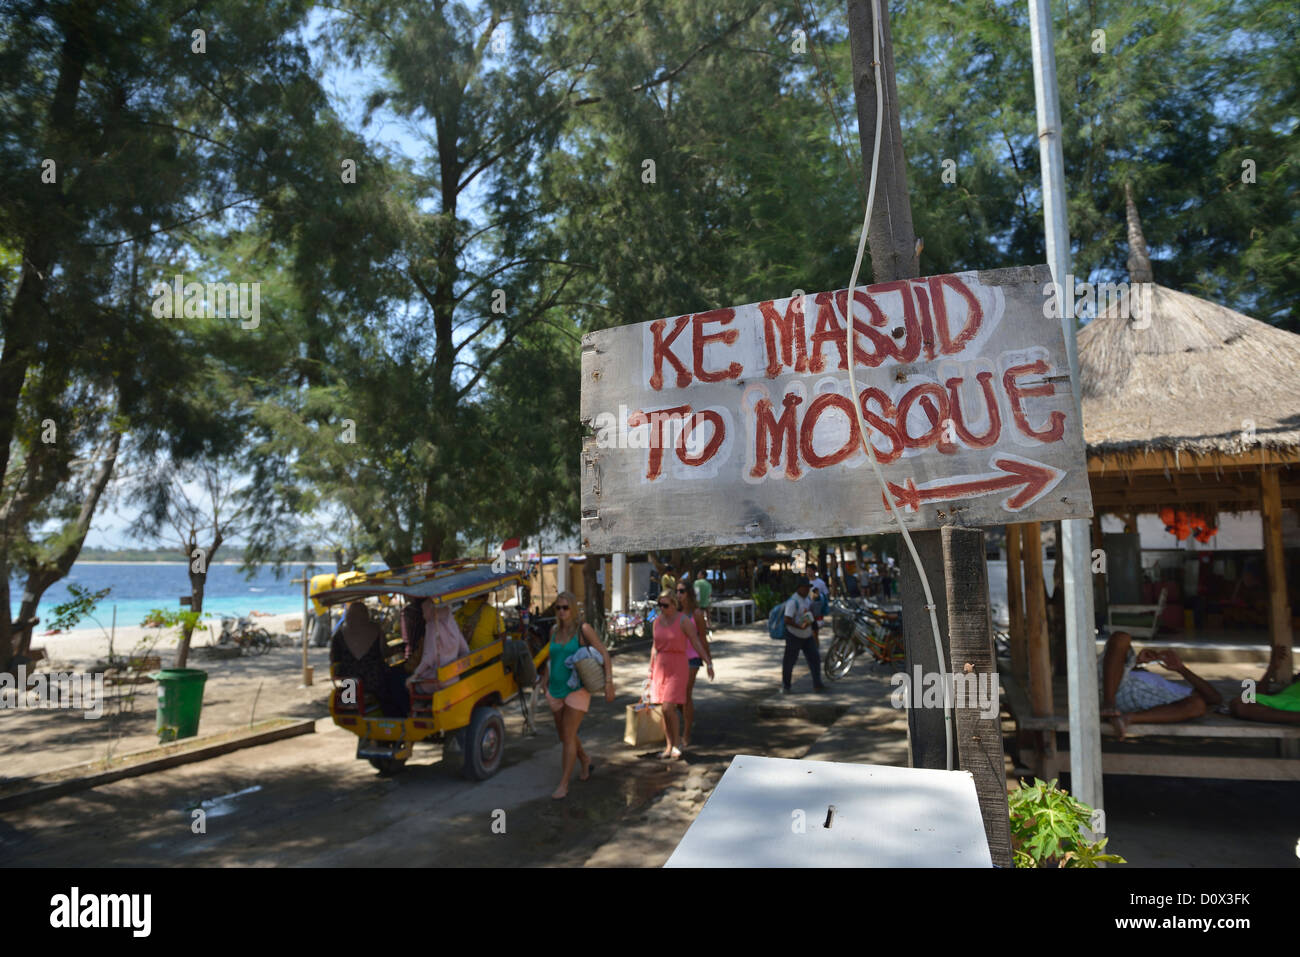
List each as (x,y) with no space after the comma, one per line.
(839,658)
(387,767)
(485,742)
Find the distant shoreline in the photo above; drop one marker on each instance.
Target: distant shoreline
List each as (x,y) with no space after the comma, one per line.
(149,561)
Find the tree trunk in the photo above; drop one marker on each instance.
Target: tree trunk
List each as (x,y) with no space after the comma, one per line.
(40,245)
(41,575)
(198,572)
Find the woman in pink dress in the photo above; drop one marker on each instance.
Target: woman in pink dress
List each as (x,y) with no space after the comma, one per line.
(669,670)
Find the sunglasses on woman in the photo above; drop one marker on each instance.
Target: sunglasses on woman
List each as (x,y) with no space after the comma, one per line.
(561,607)
(664,604)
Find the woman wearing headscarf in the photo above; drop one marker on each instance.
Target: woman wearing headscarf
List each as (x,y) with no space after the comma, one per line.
(443,644)
(357,652)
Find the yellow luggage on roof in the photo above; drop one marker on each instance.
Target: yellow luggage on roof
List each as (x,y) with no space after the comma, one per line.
(320,583)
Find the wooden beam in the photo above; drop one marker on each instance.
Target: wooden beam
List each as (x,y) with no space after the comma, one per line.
(1197,766)
(1159,460)
(1100,580)
(1279,610)
(1016,608)
(1040,657)
(978,738)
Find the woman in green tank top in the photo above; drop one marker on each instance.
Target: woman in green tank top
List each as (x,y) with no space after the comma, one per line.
(568,705)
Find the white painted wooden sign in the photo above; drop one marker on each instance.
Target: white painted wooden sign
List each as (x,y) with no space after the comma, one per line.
(737,425)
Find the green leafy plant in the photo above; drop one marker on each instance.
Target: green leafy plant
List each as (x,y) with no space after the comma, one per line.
(1047,826)
(765,599)
(170,618)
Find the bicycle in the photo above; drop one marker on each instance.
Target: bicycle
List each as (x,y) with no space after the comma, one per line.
(245,636)
(623,626)
(861,628)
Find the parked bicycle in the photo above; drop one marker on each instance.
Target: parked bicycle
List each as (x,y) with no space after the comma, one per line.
(863,627)
(247,637)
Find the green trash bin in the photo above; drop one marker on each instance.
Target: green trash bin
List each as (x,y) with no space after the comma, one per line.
(180,699)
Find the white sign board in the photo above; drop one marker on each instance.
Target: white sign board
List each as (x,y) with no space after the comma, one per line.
(737,425)
(774,812)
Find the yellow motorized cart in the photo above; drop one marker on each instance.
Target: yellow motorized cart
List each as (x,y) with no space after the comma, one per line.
(465,701)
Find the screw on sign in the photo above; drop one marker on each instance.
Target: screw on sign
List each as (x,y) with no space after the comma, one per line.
(748,418)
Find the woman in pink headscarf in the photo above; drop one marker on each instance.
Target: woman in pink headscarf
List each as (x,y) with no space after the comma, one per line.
(443,644)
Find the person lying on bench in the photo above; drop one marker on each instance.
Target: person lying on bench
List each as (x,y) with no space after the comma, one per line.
(1281,707)
(1129,695)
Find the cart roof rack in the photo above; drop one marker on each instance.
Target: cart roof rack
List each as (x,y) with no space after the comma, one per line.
(444,582)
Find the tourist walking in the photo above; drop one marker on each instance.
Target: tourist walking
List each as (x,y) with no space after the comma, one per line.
(569,704)
(886,579)
(801,636)
(668,581)
(699,618)
(674,632)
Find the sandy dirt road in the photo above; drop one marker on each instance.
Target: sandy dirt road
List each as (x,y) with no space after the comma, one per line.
(308,802)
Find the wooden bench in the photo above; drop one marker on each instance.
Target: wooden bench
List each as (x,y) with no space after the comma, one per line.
(1213,725)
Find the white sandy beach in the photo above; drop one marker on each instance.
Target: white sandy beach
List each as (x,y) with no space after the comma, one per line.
(83,646)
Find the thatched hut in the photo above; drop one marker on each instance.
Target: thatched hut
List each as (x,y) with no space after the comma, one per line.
(1195,406)
(1187,405)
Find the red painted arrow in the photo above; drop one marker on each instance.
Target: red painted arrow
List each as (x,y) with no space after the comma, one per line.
(1032,478)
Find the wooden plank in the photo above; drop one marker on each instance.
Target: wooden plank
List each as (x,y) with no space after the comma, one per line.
(1198,766)
(1279,610)
(1243,499)
(1016,607)
(92,779)
(1160,460)
(971,660)
(722,413)
(1036,638)
(1209,726)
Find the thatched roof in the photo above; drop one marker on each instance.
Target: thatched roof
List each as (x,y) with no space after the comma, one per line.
(1192,379)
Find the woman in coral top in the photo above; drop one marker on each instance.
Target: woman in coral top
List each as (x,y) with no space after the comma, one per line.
(669,670)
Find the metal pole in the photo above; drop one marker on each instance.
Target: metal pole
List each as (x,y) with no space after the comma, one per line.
(1075,549)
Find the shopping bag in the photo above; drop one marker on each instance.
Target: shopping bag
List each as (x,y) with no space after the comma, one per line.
(645,725)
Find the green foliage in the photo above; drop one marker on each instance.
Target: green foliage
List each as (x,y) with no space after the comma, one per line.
(81,606)
(1046,826)
(765,599)
(171,618)
(1173,98)
(155,146)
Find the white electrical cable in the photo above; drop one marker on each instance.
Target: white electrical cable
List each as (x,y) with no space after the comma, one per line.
(857,405)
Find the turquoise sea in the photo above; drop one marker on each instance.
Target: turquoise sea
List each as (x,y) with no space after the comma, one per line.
(139,586)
